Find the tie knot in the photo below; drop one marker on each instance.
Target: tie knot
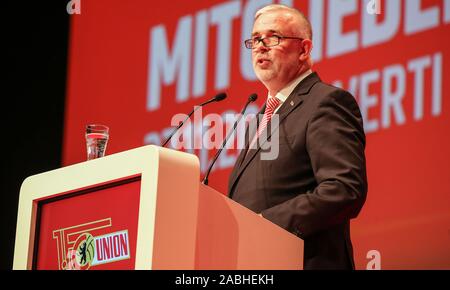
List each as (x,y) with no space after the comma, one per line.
(272,104)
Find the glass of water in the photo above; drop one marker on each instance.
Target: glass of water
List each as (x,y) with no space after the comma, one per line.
(96,140)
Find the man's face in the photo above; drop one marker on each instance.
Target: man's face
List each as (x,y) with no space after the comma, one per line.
(277,65)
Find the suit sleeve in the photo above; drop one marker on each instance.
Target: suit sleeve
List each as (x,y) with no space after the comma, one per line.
(335,142)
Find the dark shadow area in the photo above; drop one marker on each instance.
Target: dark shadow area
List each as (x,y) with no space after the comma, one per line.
(33,93)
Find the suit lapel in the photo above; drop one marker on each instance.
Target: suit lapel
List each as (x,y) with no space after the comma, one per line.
(294,100)
(250,134)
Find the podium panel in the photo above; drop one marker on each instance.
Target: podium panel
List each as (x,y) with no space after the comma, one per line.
(95,227)
(230,236)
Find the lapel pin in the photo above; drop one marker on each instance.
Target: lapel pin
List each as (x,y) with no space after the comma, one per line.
(292,103)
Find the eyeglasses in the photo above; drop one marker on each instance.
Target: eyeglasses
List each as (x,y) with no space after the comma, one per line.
(267,41)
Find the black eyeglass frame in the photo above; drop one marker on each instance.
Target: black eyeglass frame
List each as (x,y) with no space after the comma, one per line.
(249,42)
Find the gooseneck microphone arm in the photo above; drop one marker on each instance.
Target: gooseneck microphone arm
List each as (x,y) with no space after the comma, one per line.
(179,125)
(217,98)
(251,99)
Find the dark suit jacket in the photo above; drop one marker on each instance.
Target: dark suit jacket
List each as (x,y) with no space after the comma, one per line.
(318,182)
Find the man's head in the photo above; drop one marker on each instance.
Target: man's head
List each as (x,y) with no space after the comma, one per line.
(278,65)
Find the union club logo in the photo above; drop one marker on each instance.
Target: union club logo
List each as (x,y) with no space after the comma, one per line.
(80,249)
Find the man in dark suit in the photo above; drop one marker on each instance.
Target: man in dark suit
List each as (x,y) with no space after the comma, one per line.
(318,182)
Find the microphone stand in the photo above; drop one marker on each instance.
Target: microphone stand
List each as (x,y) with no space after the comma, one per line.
(251,99)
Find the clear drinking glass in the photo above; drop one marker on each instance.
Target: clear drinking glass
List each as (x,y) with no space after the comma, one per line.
(96,140)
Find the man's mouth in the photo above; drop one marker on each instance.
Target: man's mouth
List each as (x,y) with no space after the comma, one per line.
(262,60)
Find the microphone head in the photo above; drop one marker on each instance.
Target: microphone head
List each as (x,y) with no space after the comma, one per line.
(220,97)
(252,97)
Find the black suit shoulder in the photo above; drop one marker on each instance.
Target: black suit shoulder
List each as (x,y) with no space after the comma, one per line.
(322,92)
(323,95)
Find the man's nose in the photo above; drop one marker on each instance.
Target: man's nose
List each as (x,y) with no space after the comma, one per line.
(260,47)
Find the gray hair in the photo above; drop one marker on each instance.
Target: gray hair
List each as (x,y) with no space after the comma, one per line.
(305,28)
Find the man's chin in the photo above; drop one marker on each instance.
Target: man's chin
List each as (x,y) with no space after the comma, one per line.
(264,75)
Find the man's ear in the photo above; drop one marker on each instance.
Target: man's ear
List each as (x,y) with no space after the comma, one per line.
(307,48)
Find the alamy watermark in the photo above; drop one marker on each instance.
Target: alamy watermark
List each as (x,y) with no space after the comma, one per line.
(374,257)
(74,7)
(374,7)
(212,129)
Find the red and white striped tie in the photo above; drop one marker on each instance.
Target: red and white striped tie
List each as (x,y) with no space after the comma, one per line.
(272,104)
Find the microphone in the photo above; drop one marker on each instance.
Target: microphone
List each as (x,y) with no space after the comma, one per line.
(219,97)
(251,99)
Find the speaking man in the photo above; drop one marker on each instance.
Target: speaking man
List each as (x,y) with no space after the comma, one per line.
(318,181)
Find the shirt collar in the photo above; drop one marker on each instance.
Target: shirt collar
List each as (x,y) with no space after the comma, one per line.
(284,93)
